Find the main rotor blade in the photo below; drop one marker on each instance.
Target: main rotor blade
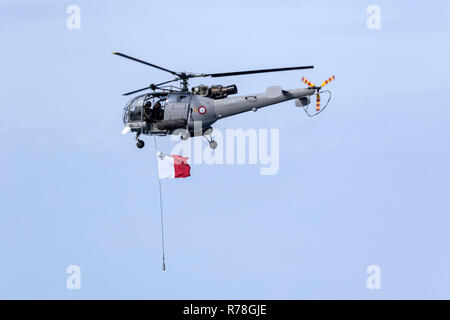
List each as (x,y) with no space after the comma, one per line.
(135,91)
(238,73)
(165,82)
(149,87)
(145,62)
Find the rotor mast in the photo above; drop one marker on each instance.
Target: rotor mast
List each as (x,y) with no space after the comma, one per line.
(184,82)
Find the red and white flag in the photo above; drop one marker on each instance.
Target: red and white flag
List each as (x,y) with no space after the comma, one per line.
(172,166)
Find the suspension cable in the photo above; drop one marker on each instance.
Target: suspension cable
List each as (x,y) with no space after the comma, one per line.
(161,214)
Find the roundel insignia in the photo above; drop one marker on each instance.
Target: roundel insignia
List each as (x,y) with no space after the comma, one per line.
(202,109)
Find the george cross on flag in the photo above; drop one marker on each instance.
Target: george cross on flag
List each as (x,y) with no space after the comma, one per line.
(172,166)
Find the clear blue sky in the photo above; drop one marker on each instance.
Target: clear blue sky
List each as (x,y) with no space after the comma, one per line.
(364,183)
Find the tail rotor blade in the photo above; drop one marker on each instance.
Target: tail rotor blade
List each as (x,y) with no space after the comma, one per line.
(327,81)
(309,83)
(318,102)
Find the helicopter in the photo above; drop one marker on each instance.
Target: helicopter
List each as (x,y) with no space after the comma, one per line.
(176,110)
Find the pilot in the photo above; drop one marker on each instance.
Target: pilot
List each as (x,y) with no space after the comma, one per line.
(157,111)
(147,110)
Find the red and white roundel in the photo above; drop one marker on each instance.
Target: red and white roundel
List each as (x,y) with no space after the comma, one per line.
(202,109)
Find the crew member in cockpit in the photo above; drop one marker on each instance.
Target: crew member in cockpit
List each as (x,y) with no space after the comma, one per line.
(147,110)
(158,113)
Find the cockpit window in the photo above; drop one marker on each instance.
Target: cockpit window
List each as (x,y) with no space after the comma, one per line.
(137,102)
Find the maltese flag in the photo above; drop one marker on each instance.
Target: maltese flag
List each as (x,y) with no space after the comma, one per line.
(172,166)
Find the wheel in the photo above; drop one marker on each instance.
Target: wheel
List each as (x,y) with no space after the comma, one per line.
(140,144)
(213,144)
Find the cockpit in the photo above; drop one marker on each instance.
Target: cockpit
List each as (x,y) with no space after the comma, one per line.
(141,111)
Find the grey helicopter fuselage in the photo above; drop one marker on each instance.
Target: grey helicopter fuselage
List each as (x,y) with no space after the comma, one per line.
(191,113)
(175,112)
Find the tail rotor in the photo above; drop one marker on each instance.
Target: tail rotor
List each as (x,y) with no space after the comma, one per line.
(313,86)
